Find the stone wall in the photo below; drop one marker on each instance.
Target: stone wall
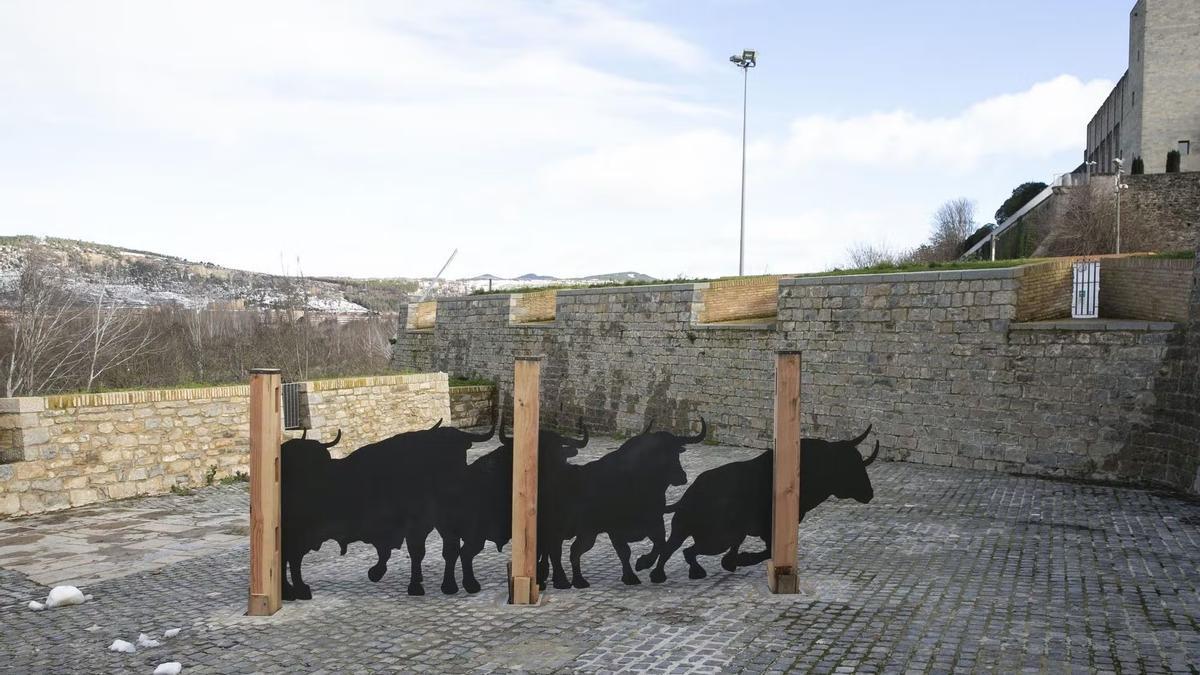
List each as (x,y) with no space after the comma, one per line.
(935,360)
(1167,448)
(1145,287)
(1166,206)
(78,449)
(1134,286)
(472,406)
(739,299)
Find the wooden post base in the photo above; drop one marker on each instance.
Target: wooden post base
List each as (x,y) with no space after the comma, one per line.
(522,590)
(783,581)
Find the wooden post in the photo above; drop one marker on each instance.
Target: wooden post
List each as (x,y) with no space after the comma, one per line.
(266,434)
(523,572)
(785,504)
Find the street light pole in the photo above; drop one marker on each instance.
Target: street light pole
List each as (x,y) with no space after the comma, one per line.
(1117,186)
(746,61)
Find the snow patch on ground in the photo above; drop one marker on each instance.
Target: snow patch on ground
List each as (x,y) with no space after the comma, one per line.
(169,668)
(36,606)
(145,642)
(62,596)
(171,632)
(122,646)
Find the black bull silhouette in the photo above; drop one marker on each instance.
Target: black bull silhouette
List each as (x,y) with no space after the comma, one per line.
(395,492)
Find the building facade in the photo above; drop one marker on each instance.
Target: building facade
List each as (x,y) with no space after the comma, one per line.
(1155,107)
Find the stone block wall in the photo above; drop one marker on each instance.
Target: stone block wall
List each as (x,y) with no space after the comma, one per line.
(78,449)
(1145,287)
(1166,206)
(936,361)
(472,406)
(739,299)
(532,307)
(1166,449)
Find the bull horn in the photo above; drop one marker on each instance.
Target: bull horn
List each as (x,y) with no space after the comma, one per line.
(437,423)
(698,437)
(859,439)
(867,461)
(304,434)
(581,442)
(648,425)
(335,440)
(483,435)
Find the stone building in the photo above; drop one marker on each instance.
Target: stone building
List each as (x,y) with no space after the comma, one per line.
(1155,107)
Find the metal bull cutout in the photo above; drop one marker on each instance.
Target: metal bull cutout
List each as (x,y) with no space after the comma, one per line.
(395,492)
(727,504)
(387,494)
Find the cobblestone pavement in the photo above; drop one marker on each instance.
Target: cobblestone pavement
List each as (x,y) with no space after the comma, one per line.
(945,571)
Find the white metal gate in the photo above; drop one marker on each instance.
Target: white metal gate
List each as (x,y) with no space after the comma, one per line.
(1085,289)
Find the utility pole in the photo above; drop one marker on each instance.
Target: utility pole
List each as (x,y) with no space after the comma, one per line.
(746,61)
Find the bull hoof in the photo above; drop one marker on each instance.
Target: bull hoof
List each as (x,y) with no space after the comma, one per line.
(697,572)
(630,579)
(302,592)
(644,562)
(376,572)
(579,582)
(729,563)
(562,583)
(287,593)
(658,576)
(471,586)
(415,588)
(449,587)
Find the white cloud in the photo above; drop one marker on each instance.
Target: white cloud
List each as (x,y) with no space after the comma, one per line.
(1036,123)
(371,138)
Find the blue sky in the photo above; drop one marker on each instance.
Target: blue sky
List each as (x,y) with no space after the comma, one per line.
(566,138)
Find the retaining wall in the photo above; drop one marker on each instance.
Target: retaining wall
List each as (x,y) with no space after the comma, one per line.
(937,361)
(63,451)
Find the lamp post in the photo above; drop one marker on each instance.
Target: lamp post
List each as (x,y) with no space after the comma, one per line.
(746,61)
(1117,187)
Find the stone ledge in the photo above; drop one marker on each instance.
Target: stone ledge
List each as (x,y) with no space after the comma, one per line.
(534,324)
(736,325)
(1093,324)
(471,388)
(22,404)
(904,277)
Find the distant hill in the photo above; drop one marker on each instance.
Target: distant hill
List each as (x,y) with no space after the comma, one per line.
(145,279)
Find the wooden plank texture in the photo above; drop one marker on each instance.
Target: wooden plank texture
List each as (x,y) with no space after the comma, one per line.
(526,385)
(785,504)
(266,434)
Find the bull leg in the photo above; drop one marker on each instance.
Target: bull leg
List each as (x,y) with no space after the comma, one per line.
(667,550)
(695,571)
(658,536)
(383,553)
(560,575)
(627,575)
(582,544)
(416,554)
(729,560)
(543,569)
(300,590)
(467,554)
(450,550)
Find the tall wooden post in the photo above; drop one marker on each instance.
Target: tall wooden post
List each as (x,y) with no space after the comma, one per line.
(785,504)
(266,434)
(523,572)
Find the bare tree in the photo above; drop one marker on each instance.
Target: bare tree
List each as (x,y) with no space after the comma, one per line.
(43,350)
(862,254)
(115,336)
(953,222)
(1088,225)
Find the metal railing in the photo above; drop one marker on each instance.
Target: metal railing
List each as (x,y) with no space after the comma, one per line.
(291,405)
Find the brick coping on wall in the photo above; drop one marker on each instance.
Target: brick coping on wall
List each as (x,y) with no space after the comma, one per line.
(65,401)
